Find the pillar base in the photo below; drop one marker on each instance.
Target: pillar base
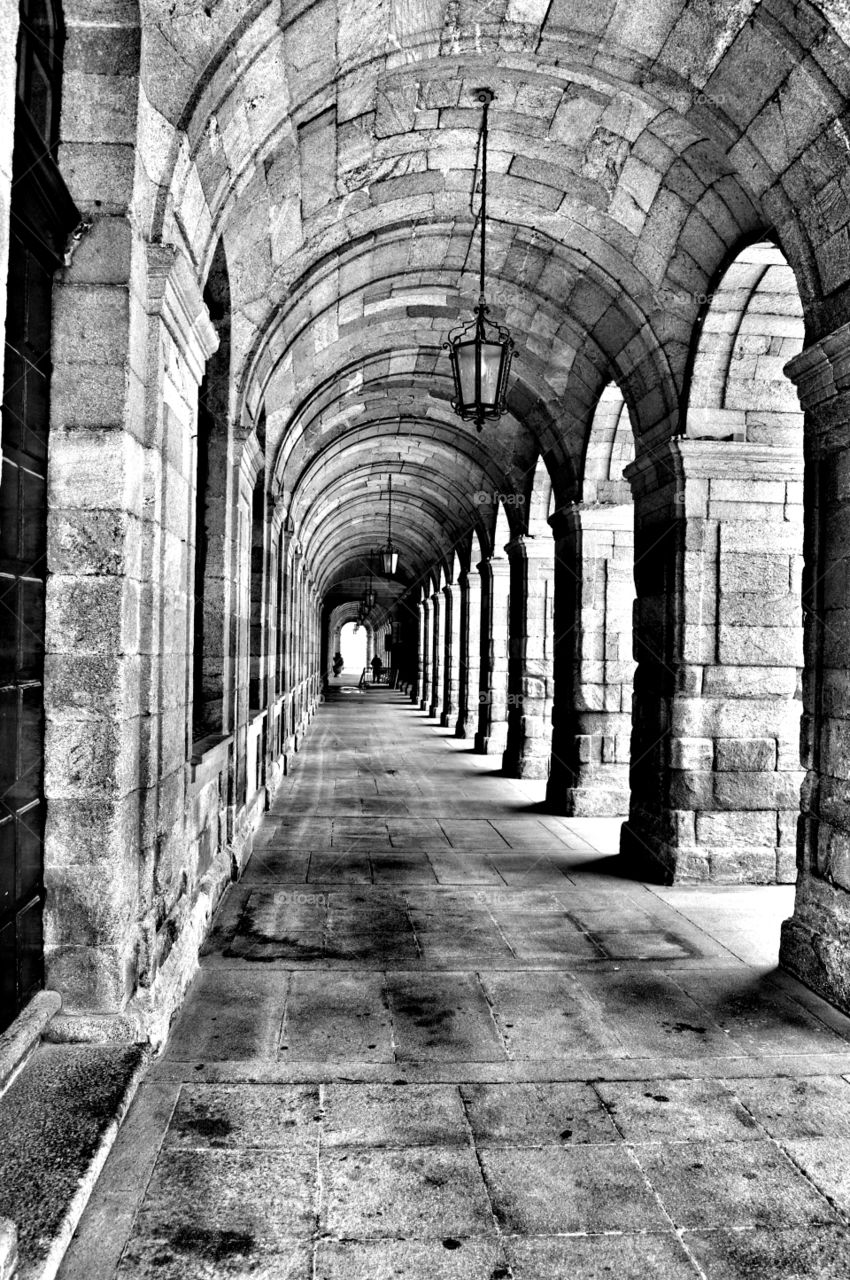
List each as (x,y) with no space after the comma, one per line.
(446,720)
(815,941)
(662,846)
(525,766)
(433,711)
(587,802)
(490,744)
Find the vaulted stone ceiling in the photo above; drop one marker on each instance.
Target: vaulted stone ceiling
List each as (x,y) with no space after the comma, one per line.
(634,144)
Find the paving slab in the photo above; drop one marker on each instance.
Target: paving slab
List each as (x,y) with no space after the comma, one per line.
(624,1257)
(336,1018)
(814,1253)
(393,1116)
(442,1017)
(418,1192)
(539,1114)
(678,1110)
(554,1190)
(449,1259)
(736,1184)
(809,1107)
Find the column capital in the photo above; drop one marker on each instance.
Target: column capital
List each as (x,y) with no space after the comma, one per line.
(174,294)
(672,464)
(525,546)
(494,565)
(822,371)
(821,374)
(565,521)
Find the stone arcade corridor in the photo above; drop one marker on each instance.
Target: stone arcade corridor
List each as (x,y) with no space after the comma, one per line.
(436,1036)
(514,964)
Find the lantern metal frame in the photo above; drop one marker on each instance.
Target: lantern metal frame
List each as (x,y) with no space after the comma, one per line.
(388,553)
(480,331)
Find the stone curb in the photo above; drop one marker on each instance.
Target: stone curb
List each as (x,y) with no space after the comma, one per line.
(19,1041)
(49,1267)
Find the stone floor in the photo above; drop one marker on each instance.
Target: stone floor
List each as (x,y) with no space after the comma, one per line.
(435,1035)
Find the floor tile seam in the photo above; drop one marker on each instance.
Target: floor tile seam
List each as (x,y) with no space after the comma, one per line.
(318,1200)
(482,1175)
(677,1230)
(610,1070)
(492,1014)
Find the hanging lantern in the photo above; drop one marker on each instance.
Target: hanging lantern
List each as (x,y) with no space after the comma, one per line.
(388,553)
(481,350)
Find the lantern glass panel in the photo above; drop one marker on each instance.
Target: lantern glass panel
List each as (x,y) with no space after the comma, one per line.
(491,363)
(466,373)
(489,356)
(390,561)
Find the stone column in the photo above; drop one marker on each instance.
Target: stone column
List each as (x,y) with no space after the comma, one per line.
(594,667)
(451,677)
(529,733)
(715,775)
(426,655)
(418,684)
(437,609)
(816,940)
(470,654)
(492,733)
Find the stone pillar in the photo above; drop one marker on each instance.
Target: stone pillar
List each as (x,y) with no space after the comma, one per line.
(470,654)
(119,865)
(594,668)
(529,733)
(451,677)
(427,655)
(418,684)
(435,692)
(492,733)
(816,940)
(715,775)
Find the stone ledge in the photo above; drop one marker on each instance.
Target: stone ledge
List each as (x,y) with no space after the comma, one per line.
(21,1039)
(209,757)
(58,1122)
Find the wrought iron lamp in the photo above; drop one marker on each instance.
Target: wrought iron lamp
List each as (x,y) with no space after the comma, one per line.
(481,351)
(369,594)
(388,553)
